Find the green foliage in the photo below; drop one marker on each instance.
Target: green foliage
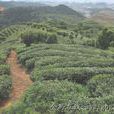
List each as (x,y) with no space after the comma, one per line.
(105,39)
(98,85)
(4,69)
(88,29)
(38,14)
(39,36)
(62,97)
(80,75)
(42,96)
(5,86)
(62,33)
(112,43)
(5,79)
(58,57)
(74,63)
(30,64)
(2,59)
(52,39)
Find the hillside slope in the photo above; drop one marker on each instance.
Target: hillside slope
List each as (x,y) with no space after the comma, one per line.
(66,70)
(105,16)
(25,14)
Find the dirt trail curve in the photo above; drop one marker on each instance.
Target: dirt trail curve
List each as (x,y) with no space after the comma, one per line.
(20,80)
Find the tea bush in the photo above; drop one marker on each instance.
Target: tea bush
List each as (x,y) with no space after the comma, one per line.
(4,69)
(105,39)
(5,79)
(101,85)
(42,96)
(79,74)
(5,86)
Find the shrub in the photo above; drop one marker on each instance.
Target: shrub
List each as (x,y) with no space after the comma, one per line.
(105,39)
(80,74)
(2,60)
(4,69)
(30,64)
(63,98)
(42,96)
(5,86)
(112,44)
(52,39)
(109,100)
(38,36)
(101,85)
(63,33)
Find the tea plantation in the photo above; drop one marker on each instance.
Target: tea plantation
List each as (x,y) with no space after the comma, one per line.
(5,79)
(70,71)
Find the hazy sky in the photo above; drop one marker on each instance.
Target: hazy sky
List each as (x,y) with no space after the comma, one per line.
(108,1)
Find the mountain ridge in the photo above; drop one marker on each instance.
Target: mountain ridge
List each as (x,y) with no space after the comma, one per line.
(26,14)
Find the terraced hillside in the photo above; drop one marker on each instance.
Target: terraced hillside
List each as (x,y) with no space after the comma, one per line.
(74,63)
(70,74)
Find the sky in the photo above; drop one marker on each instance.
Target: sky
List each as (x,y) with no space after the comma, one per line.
(108,1)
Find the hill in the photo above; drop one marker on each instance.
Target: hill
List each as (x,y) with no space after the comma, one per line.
(37,14)
(105,16)
(66,69)
(70,63)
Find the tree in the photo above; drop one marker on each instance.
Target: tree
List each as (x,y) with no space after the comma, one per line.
(52,39)
(105,38)
(30,37)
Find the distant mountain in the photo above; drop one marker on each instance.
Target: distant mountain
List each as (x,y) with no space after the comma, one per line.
(60,9)
(104,16)
(87,9)
(25,14)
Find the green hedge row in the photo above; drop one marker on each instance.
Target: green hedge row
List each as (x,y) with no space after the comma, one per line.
(5,79)
(4,69)
(79,56)
(41,97)
(101,85)
(79,74)
(5,86)
(57,61)
(61,97)
(93,57)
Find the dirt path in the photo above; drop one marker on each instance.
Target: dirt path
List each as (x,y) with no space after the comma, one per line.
(20,80)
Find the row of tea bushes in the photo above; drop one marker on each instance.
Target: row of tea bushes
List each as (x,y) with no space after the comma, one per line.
(5,86)
(5,79)
(57,68)
(54,50)
(58,61)
(9,31)
(4,69)
(14,31)
(41,97)
(72,62)
(78,74)
(101,85)
(62,97)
